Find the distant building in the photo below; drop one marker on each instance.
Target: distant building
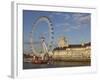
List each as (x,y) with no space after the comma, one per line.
(65,51)
(62,42)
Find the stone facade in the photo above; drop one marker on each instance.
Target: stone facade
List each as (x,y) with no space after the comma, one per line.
(72,53)
(79,52)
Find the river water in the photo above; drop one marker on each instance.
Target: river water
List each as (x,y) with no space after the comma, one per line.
(56,64)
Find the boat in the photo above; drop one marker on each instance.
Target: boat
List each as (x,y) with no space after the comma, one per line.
(39,60)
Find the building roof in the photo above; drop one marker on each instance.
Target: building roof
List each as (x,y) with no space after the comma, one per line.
(73,46)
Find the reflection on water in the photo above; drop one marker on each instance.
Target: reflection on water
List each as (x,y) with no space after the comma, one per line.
(56,64)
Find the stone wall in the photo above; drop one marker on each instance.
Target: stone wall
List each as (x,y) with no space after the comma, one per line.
(83,53)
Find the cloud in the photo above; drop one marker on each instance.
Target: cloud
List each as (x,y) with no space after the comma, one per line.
(62,25)
(85,19)
(58,13)
(81,18)
(62,28)
(55,14)
(51,16)
(73,21)
(67,17)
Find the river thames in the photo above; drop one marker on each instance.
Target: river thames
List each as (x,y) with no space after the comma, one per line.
(56,64)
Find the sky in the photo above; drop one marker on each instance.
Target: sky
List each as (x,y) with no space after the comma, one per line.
(76,27)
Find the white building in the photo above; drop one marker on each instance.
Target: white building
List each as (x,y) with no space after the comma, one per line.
(65,51)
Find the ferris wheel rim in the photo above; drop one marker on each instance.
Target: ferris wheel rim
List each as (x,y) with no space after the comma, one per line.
(50,25)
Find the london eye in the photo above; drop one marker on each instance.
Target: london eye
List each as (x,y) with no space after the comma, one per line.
(47,44)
